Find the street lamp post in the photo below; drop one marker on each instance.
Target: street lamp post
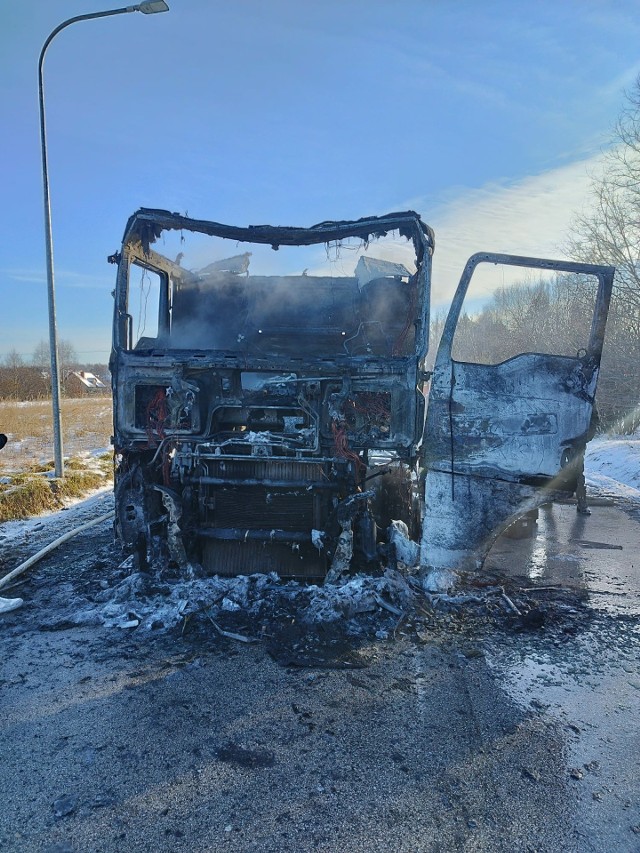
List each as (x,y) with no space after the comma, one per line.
(148,7)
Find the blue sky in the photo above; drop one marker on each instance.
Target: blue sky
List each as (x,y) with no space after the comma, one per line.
(487,118)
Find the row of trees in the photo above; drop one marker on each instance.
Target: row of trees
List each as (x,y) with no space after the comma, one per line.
(548,315)
(67,357)
(30,379)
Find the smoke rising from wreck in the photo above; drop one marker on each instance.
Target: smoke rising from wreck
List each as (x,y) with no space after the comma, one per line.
(312,315)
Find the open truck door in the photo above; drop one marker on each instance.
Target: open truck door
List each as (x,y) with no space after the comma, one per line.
(504,438)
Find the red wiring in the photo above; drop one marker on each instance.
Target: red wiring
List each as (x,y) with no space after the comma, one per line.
(157,414)
(342,449)
(373,404)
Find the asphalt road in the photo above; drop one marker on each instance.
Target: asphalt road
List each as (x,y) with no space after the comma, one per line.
(461,732)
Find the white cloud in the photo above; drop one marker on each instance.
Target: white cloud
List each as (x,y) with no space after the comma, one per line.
(625,80)
(527,217)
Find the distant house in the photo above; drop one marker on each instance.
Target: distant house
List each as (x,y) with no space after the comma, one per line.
(81,382)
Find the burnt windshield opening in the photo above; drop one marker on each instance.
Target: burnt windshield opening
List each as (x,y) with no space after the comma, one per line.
(349,297)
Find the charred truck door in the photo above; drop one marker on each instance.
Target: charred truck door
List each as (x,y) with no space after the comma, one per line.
(503,438)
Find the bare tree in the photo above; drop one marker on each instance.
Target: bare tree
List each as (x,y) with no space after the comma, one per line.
(609,232)
(67,361)
(13,363)
(67,356)
(13,359)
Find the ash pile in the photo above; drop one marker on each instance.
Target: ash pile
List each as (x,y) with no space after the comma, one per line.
(299,624)
(336,625)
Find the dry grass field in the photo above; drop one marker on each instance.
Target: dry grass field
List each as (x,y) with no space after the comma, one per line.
(86,428)
(27,485)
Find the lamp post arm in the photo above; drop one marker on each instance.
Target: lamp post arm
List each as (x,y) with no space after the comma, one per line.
(74,20)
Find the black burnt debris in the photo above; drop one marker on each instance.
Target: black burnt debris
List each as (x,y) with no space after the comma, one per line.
(330,626)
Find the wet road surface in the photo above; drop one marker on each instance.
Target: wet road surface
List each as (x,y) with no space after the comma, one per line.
(599,553)
(589,682)
(448,736)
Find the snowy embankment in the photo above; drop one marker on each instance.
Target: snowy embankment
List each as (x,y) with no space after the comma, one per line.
(612,465)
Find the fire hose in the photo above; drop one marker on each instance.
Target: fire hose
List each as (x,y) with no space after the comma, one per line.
(52,546)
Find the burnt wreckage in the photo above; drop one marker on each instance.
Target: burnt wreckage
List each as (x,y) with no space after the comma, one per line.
(279,420)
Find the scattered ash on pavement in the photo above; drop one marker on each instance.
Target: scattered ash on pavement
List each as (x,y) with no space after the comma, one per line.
(331,626)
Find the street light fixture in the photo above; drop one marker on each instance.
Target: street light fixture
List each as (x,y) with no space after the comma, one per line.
(147,7)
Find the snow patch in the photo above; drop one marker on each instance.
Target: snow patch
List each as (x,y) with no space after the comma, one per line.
(613,464)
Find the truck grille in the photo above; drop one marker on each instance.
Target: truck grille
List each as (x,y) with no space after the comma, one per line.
(261,509)
(246,558)
(267,469)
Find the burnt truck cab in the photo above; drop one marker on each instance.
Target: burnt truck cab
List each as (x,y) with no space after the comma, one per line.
(261,377)
(270,400)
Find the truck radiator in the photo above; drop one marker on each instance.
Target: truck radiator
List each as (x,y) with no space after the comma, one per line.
(246,558)
(260,508)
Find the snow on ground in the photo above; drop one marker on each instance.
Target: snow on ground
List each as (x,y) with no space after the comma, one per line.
(76,511)
(137,600)
(612,464)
